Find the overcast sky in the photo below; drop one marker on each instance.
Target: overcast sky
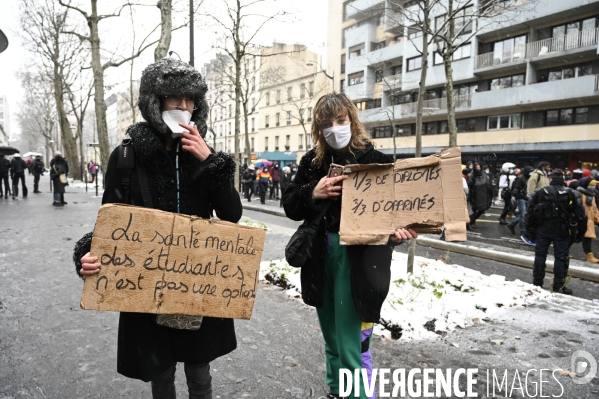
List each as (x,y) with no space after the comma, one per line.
(306,22)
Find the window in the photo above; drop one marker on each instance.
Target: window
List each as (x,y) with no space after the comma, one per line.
(404,98)
(342,85)
(342,63)
(309,114)
(277,119)
(276,143)
(301,115)
(414,32)
(463,21)
(310,89)
(571,71)
(253,83)
(289,117)
(220,130)
(356,78)
(302,90)
(252,144)
(253,124)
(268,98)
(459,53)
(253,104)
(287,142)
(509,50)
(301,142)
(278,96)
(414,63)
(347,8)
(439,21)
(512,121)
(230,111)
(381,132)
(309,141)
(265,143)
(430,128)
(229,128)
(508,81)
(356,51)
(266,118)
(566,116)
(289,93)
(397,69)
(377,46)
(377,103)
(378,75)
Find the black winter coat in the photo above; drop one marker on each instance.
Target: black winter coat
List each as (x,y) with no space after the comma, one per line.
(58,166)
(4,166)
(370,265)
(18,166)
(146,349)
(481,191)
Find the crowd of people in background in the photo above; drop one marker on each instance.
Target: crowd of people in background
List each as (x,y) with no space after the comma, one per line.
(515,187)
(266,180)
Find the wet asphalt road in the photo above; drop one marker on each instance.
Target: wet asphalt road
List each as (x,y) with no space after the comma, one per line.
(49,348)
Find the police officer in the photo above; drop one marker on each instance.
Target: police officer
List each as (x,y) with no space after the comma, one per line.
(38,170)
(555,215)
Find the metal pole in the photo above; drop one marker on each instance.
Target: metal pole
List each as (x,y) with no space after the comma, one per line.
(191,56)
(98,170)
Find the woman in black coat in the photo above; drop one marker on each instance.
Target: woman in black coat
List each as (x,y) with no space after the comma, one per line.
(202,184)
(58,166)
(347,284)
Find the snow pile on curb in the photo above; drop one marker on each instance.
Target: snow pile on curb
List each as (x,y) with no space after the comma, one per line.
(245,221)
(433,301)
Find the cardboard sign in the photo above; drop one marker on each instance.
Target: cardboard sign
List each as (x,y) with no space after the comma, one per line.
(424,194)
(167,263)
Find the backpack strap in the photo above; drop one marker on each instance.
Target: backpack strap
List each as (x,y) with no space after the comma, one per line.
(143,185)
(125,166)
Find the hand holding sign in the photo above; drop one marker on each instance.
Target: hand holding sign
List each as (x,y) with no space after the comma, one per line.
(402,235)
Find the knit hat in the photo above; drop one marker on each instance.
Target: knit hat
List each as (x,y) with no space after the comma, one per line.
(466,171)
(586,173)
(251,167)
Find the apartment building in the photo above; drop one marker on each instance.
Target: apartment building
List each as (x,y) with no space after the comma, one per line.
(127,111)
(526,83)
(4,121)
(273,69)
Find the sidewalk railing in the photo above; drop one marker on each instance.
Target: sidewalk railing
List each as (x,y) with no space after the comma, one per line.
(579,39)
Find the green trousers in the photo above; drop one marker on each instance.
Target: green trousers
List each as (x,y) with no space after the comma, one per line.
(347,338)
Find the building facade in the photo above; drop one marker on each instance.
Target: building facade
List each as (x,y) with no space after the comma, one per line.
(4,121)
(290,71)
(525,81)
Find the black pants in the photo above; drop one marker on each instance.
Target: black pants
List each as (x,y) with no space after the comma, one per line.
(15,184)
(274,190)
(507,206)
(263,187)
(561,248)
(36,182)
(249,190)
(476,215)
(4,179)
(199,382)
(586,245)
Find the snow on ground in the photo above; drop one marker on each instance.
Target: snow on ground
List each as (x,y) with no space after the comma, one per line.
(433,301)
(245,221)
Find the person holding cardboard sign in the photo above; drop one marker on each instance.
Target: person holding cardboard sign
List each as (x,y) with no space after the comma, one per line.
(174,171)
(347,284)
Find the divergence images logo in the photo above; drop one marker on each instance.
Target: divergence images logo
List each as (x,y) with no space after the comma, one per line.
(584,365)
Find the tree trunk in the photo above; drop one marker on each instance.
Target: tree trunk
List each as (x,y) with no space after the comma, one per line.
(100,105)
(451,122)
(166,25)
(247,133)
(68,141)
(238,59)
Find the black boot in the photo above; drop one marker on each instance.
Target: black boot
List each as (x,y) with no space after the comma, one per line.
(538,283)
(560,288)
(502,221)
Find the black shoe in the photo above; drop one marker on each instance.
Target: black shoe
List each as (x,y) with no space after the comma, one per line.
(502,221)
(37,192)
(512,229)
(57,204)
(64,203)
(473,226)
(562,289)
(537,283)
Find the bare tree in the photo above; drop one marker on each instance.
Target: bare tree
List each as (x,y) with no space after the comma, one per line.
(166,27)
(93,20)
(61,55)
(238,44)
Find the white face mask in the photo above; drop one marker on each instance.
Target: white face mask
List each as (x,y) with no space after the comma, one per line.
(173,118)
(338,137)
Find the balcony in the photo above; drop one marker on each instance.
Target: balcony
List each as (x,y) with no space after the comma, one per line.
(542,48)
(392,82)
(557,91)
(437,105)
(362,8)
(361,91)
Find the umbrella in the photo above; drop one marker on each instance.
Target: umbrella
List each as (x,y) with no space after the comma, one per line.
(31,154)
(262,162)
(506,166)
(4,150)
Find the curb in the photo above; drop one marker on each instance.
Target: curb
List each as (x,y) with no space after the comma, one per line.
(585,273)
(581,272)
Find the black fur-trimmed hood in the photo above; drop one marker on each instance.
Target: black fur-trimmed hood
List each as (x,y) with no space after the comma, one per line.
(169,77)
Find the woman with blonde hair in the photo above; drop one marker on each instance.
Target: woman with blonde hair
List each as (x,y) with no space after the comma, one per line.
(347,284)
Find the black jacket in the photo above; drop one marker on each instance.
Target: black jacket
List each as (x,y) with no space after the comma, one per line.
(38,167)
(519,187)
(369,264)
(144,348)
(481,191)
(17,166)
(4,166)
(58,166)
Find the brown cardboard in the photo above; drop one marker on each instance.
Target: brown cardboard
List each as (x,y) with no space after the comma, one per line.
(211,268)
(424,194)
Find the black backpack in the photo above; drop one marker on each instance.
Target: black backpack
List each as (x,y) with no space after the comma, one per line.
(558,205)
